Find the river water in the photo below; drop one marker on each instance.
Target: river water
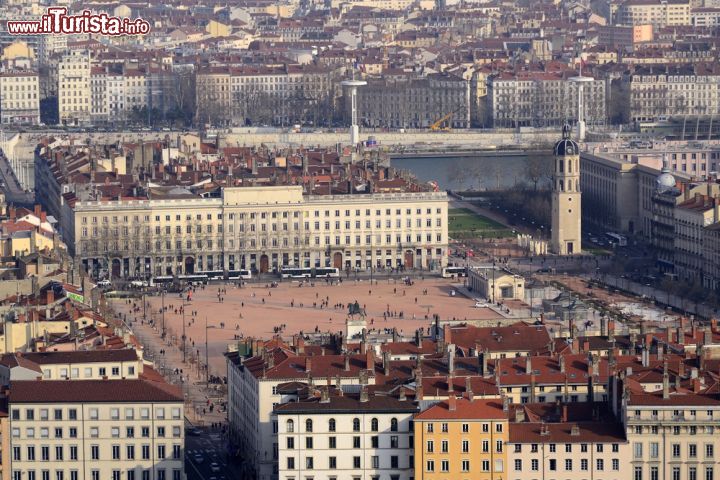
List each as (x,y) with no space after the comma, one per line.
(479,172)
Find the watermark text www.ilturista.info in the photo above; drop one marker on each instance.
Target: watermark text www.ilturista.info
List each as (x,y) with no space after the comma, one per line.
(57,22)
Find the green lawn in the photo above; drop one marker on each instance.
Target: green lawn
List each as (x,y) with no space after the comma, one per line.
(464,223)
(596,251)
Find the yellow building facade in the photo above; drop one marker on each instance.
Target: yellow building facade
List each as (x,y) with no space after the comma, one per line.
(462,439)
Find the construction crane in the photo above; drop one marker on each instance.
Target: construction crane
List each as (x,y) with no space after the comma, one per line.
(437,126)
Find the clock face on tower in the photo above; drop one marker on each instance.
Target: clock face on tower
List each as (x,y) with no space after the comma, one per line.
(569,150)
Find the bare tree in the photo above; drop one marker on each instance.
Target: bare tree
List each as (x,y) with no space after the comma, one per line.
(537,168)
(181,97)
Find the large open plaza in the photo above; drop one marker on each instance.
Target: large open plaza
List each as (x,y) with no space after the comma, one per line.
(259,310)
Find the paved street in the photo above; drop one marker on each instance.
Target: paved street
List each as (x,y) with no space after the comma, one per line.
(13,192)
(205,444)
(206,456)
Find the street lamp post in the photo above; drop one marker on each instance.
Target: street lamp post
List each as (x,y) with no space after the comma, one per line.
(162,297)
(207,362)
(493,282)
(184,337)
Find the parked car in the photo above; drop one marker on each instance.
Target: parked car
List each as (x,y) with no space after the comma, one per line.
(479,304)
(104,283)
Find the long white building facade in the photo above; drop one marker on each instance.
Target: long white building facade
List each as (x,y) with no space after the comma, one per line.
(259,228)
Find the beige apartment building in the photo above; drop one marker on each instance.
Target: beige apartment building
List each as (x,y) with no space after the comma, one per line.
(19,97)
(74,92)
(658,13)
(564,449)
(409,101)
(659,91)
(287,92)
(75,365)
(542,99)
(691,218)
(672,435)
(94,430)
(259,228)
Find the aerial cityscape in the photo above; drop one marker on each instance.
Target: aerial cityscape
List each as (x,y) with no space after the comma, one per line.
(360,240)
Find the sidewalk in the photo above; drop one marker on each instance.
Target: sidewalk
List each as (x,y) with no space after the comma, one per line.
(194,390)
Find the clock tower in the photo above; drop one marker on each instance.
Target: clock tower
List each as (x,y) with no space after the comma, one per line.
(566,197)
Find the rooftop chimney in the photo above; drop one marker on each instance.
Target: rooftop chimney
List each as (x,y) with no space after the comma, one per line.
(447,334)
(308,364)
(468,389)
(520,414)
(451,358)
(370,360)
(452,402)
(666,383)
(528,365)
(482,362)
(386,363)
(562,363)
(324,396)
(708,336)
(364,394)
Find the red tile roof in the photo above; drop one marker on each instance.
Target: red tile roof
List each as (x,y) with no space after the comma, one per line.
(586,432)
(517,337)
(100,391)
(477,409)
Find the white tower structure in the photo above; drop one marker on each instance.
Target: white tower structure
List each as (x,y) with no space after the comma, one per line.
(353,85)
(581,81)
(566,197)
